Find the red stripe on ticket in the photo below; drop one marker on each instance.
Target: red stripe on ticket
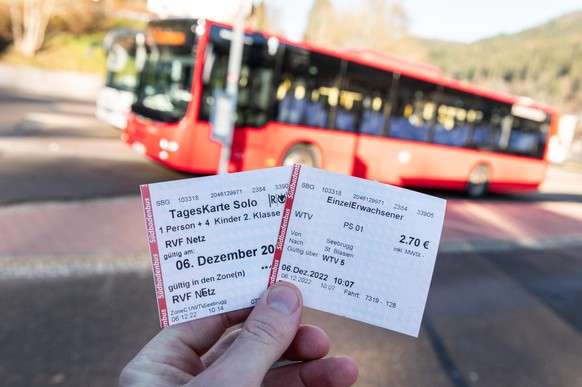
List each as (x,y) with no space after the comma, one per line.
(284,224)
(155,255)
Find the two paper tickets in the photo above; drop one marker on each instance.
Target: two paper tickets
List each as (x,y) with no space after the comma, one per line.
(354,247)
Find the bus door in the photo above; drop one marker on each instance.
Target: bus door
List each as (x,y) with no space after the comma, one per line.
(255,101)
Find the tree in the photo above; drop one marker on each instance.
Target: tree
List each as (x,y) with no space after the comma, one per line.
(380,25)
(321,24)
(29,20)
(376,23)
(258,19)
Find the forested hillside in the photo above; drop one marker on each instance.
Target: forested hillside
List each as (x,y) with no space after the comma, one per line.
(544,63)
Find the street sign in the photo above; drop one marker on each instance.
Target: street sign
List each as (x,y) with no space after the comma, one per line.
(221,117)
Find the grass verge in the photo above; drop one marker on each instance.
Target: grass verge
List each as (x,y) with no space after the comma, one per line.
(64,52)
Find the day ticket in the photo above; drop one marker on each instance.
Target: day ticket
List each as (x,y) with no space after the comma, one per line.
(212,240)
(354,247)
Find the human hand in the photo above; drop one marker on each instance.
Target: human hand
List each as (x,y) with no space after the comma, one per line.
(191,353)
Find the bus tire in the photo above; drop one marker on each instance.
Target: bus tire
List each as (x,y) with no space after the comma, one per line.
(478,182)
(304,154)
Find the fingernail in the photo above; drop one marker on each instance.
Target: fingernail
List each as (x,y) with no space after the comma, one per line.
(283,298)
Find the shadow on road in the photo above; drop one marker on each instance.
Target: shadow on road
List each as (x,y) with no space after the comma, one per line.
(560,290)
(527,197)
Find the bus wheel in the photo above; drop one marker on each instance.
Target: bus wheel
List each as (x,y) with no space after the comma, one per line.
(478,181)
(303,154)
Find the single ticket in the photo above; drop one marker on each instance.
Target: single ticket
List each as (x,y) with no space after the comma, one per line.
(354,247)
(359,248)
(212,240)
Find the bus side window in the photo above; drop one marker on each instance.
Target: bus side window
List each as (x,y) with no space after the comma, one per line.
(307,92)
(361,105)
(372,121)
(480,135)
(486,134)
(458,117)
(348,109)
(315,112)
(411,121)
(292,101)
(414,111)
(527,137)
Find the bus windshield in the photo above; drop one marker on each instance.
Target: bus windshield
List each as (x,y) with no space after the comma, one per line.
(164,90)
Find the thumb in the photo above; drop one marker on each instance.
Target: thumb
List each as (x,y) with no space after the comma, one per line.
(267,333)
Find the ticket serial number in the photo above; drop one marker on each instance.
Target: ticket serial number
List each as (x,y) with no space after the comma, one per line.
(368,199)
(230,192)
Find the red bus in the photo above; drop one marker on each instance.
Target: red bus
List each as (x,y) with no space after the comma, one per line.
(359,113)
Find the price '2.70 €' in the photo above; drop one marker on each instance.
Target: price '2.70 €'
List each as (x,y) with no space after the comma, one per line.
(413,241)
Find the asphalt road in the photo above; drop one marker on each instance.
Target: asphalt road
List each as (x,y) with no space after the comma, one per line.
(55,150)
(494,317)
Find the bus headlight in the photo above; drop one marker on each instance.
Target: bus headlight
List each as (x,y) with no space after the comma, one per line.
(171,146)
(139,148)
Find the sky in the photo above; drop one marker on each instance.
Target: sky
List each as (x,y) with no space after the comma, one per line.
(453,20)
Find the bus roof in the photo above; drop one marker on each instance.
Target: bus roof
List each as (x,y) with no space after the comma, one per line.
(395,62)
